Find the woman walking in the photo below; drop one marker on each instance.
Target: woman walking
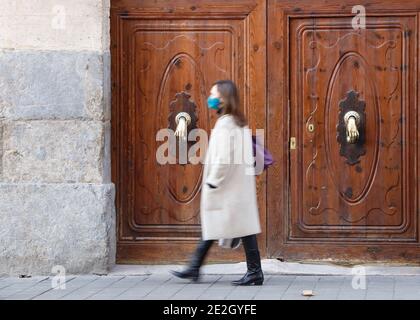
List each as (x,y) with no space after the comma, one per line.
(228,207)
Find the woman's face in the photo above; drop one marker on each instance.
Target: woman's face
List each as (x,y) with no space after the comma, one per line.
(214,93)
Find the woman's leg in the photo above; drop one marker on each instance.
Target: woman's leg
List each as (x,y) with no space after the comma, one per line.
(197,259)
(254,274)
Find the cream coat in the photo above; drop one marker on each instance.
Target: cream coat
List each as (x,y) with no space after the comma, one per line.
(230,210)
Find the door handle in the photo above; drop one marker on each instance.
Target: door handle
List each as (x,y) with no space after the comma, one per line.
(352,122)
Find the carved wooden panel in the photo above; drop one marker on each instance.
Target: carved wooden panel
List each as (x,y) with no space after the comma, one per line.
(166,59)
(161,51)
(331,198)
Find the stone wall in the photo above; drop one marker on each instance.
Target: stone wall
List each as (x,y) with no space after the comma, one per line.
(56,195)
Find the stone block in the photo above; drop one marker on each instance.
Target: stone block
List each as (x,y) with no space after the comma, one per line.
(54,85)
(44,225)
(55,151)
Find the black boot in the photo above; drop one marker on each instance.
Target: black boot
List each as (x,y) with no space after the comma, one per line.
(193,270)
(254,274)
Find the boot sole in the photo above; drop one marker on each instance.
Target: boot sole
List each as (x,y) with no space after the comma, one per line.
(179,276)
(255,283)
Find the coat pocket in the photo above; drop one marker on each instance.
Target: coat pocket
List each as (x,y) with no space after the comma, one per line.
(212,199)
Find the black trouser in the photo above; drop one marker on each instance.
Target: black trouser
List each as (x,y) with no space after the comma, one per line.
(250,246)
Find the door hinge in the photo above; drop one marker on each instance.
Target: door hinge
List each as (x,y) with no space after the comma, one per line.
(292,143)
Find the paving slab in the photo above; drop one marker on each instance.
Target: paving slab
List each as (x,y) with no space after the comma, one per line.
(164,286)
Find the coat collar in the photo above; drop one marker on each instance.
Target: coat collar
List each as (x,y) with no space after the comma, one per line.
(225,115)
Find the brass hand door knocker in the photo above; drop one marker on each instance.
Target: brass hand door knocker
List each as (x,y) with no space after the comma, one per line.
(351,127)
(182,120)
(182,117)
(352,121)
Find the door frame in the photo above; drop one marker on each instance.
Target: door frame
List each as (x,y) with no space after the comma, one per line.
(278,125)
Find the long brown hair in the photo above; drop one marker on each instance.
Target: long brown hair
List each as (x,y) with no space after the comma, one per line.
(229,93)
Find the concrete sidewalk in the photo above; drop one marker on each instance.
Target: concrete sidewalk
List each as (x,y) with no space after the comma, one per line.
(283,281)
(166,287)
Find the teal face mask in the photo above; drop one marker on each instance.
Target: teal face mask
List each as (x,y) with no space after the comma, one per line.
(213,103)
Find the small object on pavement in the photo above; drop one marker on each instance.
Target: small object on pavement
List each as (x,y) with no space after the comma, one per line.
(307,293)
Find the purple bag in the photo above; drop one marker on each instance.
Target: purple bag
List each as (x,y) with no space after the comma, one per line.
(262,153)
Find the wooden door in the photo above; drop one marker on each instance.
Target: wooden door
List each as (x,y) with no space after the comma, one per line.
(165,57)
(342,200)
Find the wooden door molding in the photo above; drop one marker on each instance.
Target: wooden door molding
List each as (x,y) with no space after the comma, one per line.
(160,49)
(382,210)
